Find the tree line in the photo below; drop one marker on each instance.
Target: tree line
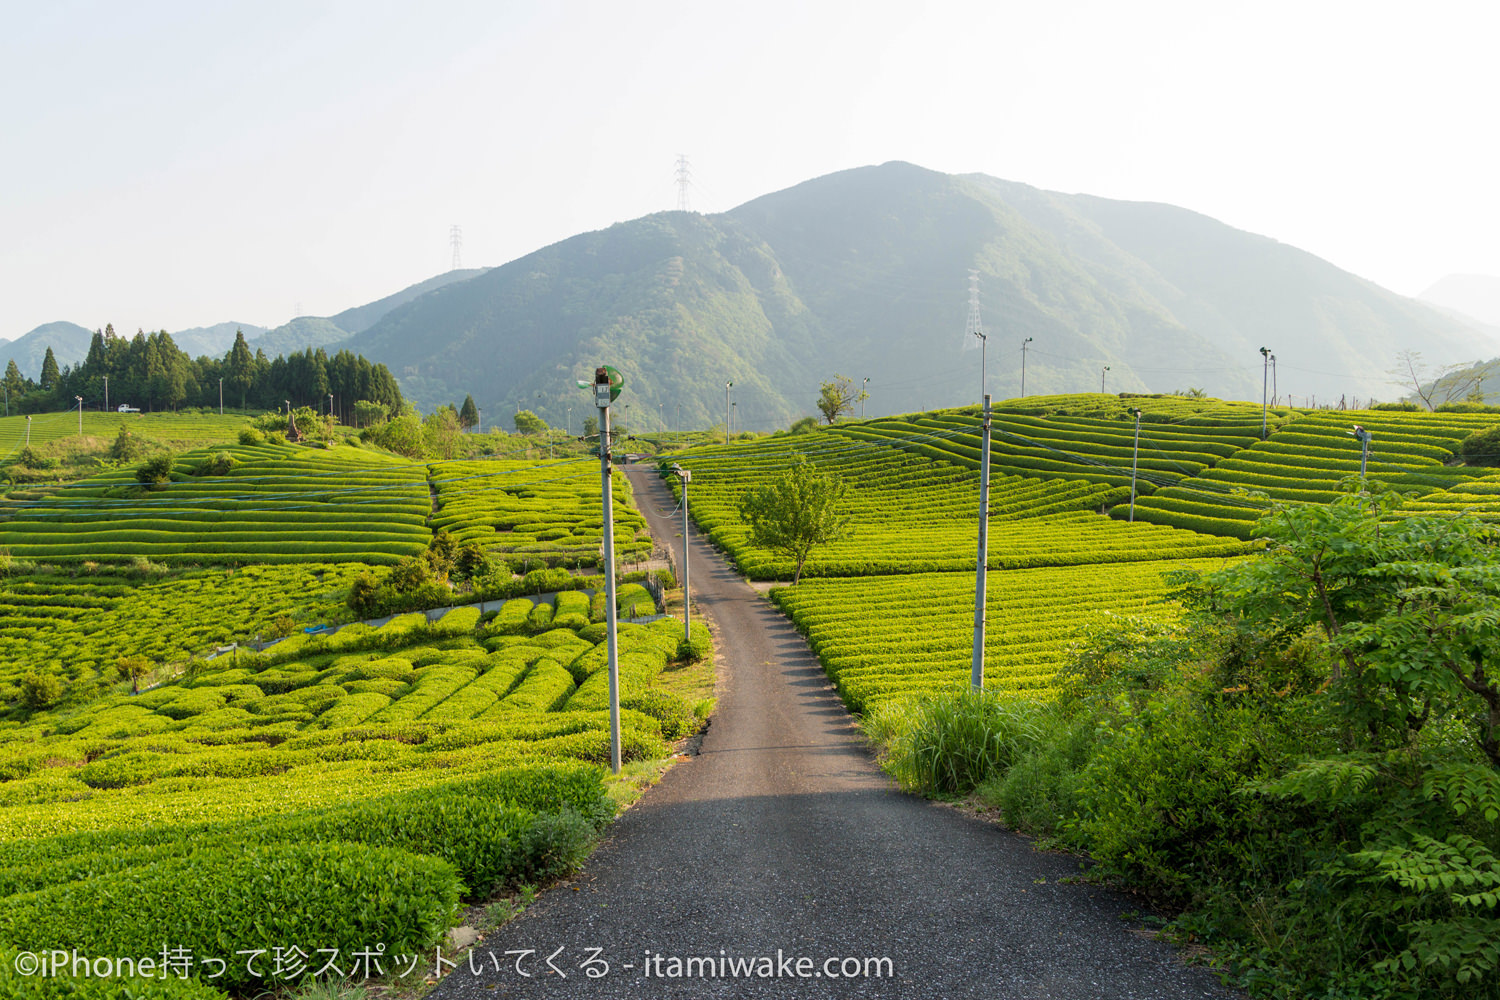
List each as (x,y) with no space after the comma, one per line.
(150,372)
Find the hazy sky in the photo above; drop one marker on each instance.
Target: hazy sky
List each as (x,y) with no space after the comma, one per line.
(169,165)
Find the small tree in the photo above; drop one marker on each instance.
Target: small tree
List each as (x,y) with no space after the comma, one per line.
(155,471)
(795,513)
(468,416)
(529,423)
(1436,386)
(133,667)
(838,397)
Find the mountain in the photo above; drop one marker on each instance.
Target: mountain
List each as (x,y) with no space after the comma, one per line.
(69,343)
(316,331)
(213,341)
(864,273)
(297,336)
(1473,295)
(361,318)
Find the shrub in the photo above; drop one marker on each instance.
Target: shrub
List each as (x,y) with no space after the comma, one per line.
(33,459)
(220,464)
(951,742)
(250,437)
(127,447)
(1482,447)
(40,691)
(226,898)
(155,471)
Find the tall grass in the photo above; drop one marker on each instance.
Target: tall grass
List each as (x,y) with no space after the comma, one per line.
(948,743)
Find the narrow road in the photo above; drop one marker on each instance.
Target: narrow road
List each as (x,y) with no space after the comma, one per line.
(783,844)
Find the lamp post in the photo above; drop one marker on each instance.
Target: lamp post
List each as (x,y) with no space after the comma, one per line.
(80,415)
(727,387)
(1265,370)
(1023,365)
(864,393)
(1101,378)
(686,476)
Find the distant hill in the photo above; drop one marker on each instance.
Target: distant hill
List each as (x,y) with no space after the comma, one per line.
(315,331)
(69,343)
(864,273)
(1473,295)
(297,336)
(361,318)
(213,341)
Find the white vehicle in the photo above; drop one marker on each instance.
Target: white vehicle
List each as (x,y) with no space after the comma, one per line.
(127,408)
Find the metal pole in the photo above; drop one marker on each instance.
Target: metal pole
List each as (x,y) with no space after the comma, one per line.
(864,391)
(1101,378)
(687,625)
(1274,393)
(80,415)
(727,386)
(1265,368)
(609,583)
(1023,364)
(976,674)
(28,429)
(1135,456)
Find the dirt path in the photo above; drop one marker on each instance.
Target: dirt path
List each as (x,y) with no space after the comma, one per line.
(782,841)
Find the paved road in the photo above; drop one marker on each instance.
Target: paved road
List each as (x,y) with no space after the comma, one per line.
(783,841)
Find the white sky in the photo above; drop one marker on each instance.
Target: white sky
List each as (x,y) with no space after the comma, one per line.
(169,165)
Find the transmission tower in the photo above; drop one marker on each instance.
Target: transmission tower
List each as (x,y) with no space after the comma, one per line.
(684,179)
(456,238)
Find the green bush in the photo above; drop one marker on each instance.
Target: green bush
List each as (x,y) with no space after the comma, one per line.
(62,985)
(1481,447)
(949,743)
(155,471)
(223,899)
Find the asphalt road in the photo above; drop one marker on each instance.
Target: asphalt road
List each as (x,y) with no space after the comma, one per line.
(782,844)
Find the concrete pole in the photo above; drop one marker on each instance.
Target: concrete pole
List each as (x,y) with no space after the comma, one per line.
(609,586)
(976,674)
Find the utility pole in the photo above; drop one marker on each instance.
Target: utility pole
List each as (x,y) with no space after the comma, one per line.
(1274,393)
(330,404)
(734,413)
(28,429)
(1265,368)
(606,387)
(684,181)
(727,387)
(976,328)
(80,415)
(1135,457)
(1101,378)
(1023,365)
(976,673)
(864,393)
(686,476)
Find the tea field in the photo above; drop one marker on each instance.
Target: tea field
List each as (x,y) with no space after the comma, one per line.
(889,606)
(413,766)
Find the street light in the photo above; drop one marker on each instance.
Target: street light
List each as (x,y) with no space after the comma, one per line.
(1265,369)
(727,387)
(864,392)
(1101,378)
(1023,364)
